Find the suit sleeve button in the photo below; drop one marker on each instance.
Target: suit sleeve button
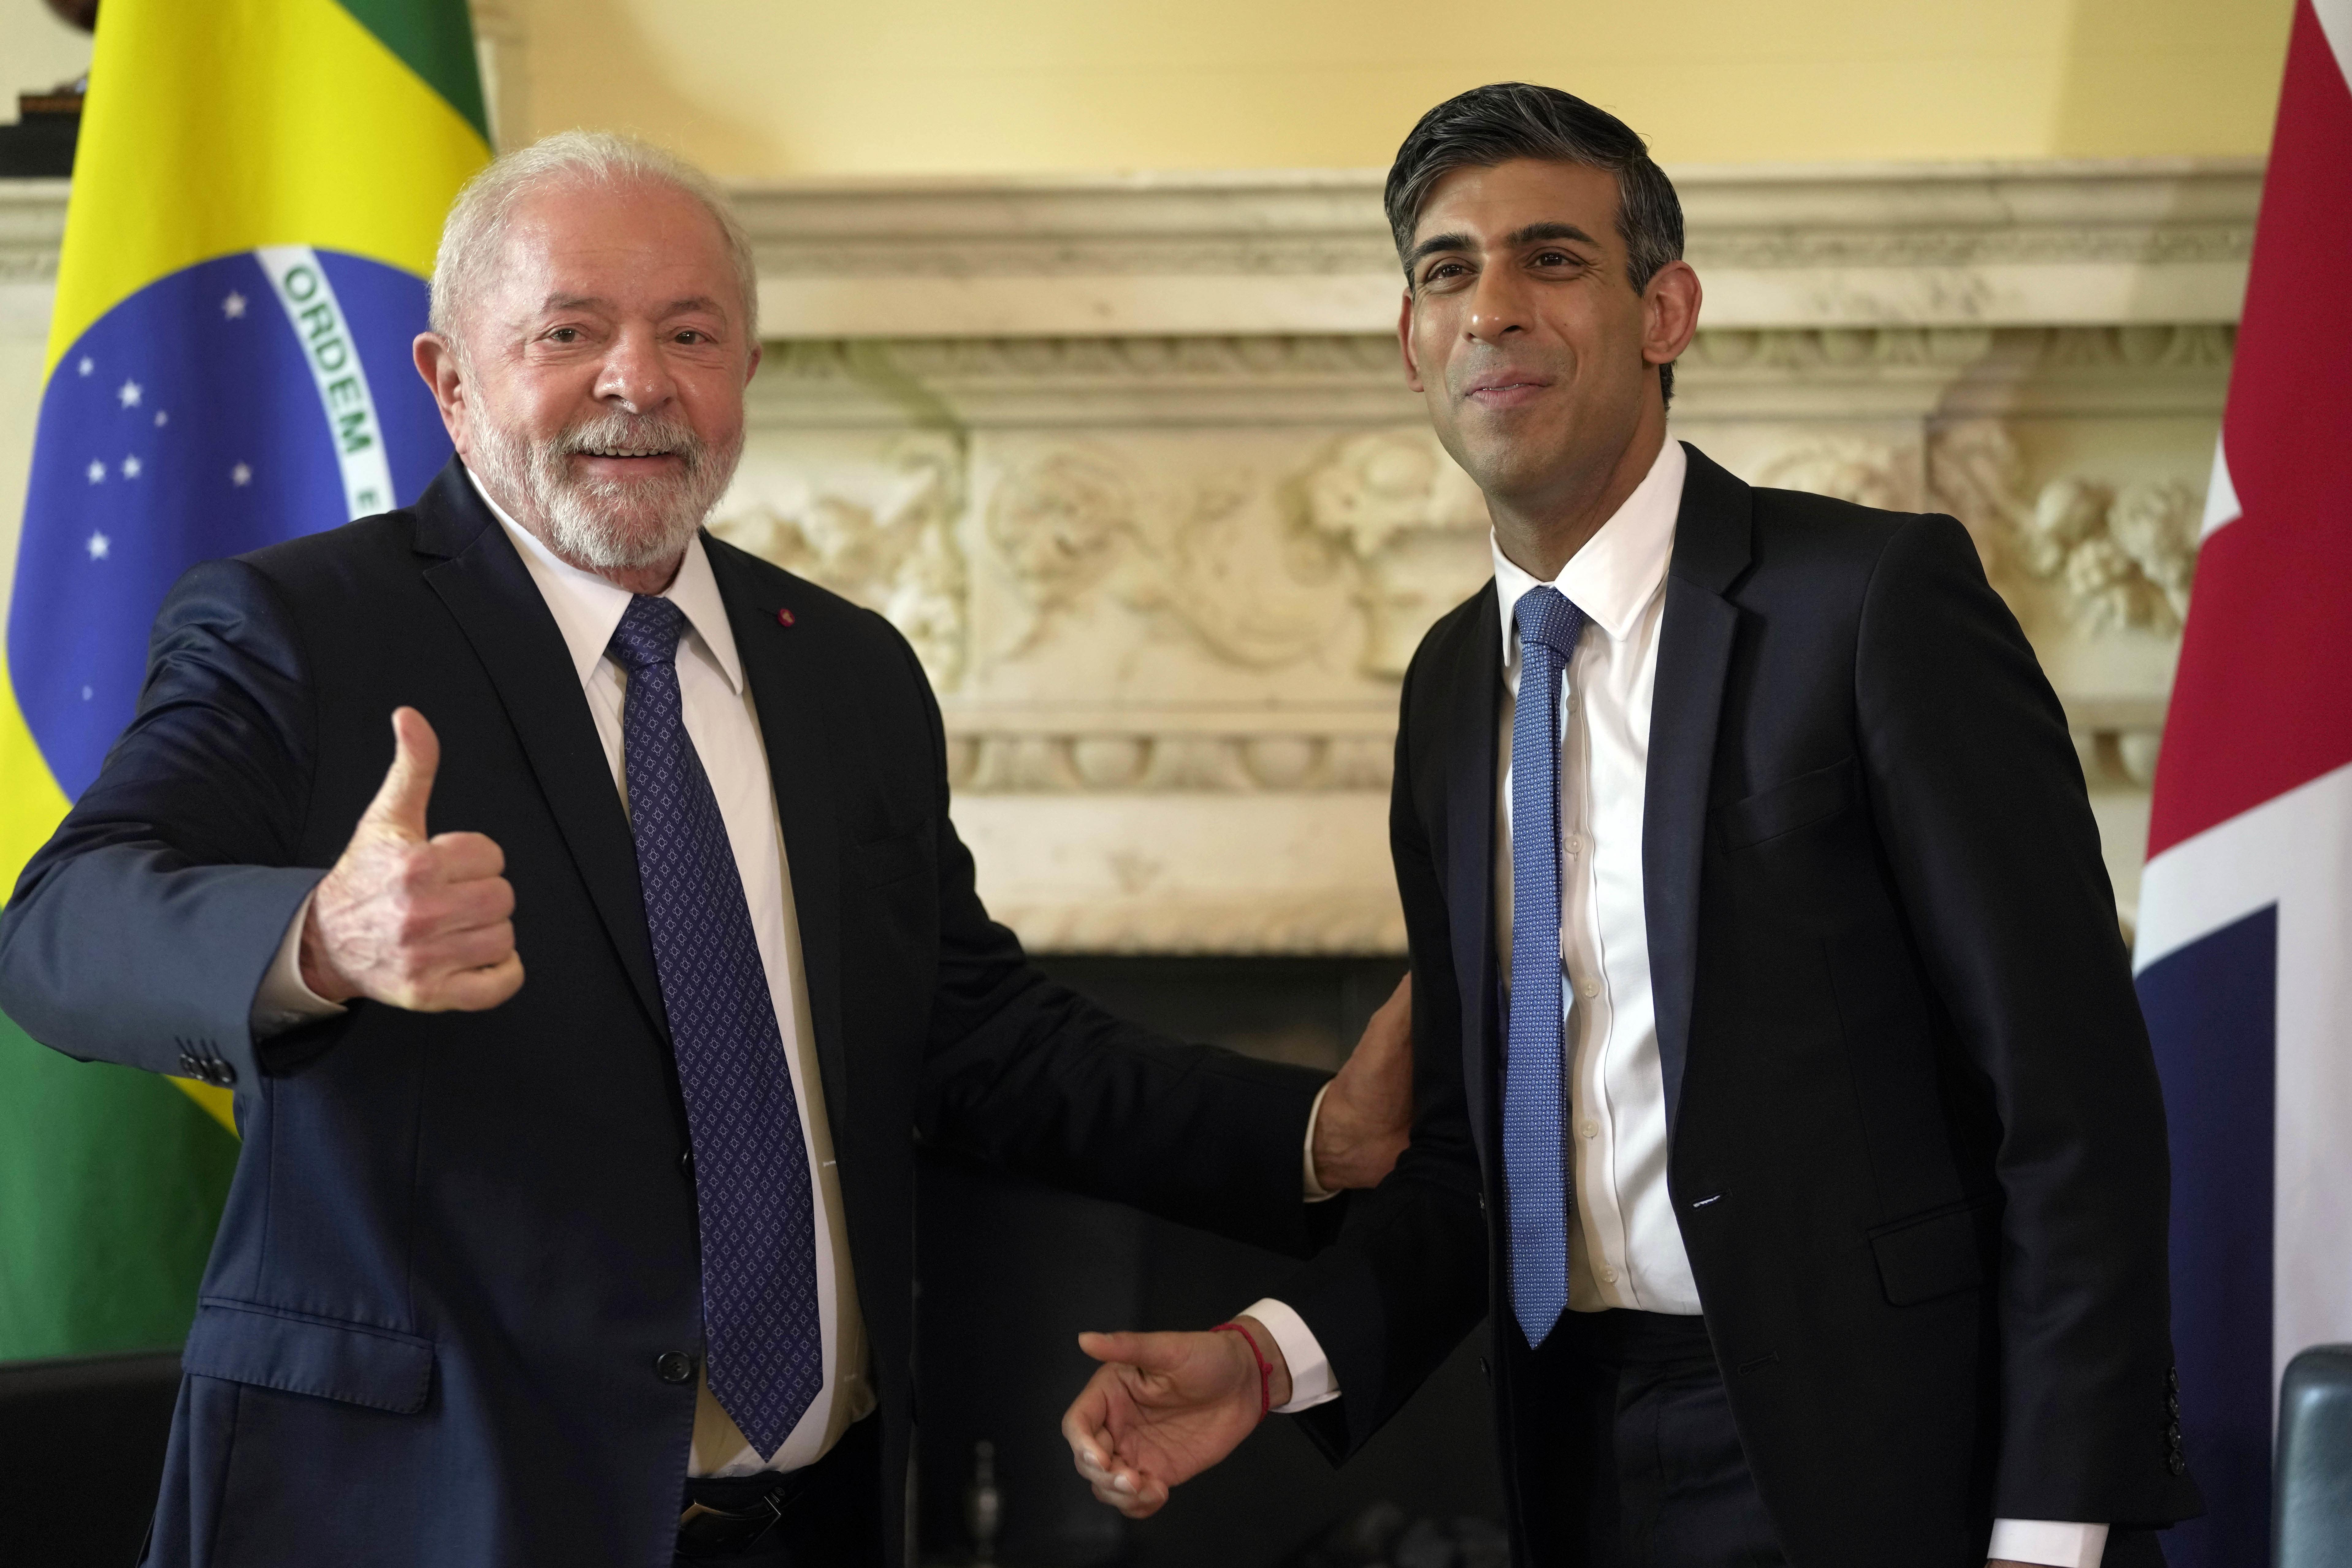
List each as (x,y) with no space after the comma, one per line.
(223,1074)
(2175,1464)
(674,1366)
(190,1066)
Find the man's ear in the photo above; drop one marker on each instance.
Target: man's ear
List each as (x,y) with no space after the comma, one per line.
(1404,342)
(436,362)
(1669,312)
(751,366)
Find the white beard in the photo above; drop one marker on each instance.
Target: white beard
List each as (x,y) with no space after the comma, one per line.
(609,525)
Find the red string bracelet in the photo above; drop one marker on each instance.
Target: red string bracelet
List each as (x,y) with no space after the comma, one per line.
(1264,1367)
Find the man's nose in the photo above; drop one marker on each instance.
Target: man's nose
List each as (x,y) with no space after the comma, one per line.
(634,373)
(1498,305)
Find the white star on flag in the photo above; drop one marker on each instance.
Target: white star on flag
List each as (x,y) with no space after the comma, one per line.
(130,468)
(97,471)
(240,475)
(129,392)
(162,420)
(233,306)
(98,545)
(87,364)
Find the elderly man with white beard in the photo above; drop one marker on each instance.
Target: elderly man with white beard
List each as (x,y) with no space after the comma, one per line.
(613,1263)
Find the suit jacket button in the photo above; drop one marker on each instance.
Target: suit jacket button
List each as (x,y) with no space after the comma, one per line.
(674,1366)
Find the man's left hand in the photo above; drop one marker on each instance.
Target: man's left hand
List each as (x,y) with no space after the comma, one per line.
(1366,1116)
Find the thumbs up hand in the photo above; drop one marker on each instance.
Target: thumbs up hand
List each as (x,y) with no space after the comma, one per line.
(416,923)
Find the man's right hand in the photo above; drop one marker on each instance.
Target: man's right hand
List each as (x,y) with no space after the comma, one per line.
(1164,1407)
(416,923)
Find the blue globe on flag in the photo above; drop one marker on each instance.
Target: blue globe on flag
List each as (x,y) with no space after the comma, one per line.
(234,403)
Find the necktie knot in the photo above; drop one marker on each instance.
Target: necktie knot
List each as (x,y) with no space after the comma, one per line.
(648,636)
(1546,615)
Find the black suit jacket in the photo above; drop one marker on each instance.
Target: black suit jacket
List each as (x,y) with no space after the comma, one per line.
(1917,1151)
(458,1245)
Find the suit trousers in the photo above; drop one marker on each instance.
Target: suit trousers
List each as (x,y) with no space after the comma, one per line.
(1644,1466)
(1648,1463)
(828,1515)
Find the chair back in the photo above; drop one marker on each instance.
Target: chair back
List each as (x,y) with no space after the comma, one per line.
(81,1455)
(2311,1509)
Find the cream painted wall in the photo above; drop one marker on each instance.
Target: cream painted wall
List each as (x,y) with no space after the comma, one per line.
(754,88)
(37,50)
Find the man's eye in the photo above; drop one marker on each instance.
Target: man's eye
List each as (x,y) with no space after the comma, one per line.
(691,336)
(1445,269)
(564,335)
(1555,259)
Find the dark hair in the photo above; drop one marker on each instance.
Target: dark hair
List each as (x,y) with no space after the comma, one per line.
(1506,119)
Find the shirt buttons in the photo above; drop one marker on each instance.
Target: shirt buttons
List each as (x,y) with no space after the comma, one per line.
(1588,988)
(1575,844)
(1609,1276)
(1589,1127)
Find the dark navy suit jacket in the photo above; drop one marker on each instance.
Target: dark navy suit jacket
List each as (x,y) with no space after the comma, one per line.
(458,1245)
(1916,1146)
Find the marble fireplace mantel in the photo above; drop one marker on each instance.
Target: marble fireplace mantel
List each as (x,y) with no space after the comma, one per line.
(1129,461)
(1308,251)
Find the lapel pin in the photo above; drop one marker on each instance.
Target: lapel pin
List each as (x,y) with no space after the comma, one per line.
(783,617)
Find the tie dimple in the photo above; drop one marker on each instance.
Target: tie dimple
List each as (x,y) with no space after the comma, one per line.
(1538,1192)
(648,636)
(752,1192)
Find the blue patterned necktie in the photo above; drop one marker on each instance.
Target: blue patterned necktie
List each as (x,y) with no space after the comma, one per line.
(1535,1166)
(751,1164)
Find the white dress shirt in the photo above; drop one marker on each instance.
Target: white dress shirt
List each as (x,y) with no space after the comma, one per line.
(1626,1248)
(725,729)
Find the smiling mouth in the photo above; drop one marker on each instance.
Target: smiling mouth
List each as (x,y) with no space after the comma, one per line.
(1506,388)
(625,451)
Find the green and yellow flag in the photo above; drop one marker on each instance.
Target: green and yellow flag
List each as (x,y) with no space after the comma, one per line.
(256,196)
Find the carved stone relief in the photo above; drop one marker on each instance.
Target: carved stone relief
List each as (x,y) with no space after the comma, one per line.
(1157,578)
(887,542)
(1413,524)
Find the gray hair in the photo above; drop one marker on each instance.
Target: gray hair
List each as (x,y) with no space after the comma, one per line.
(1506,119)
(473,236)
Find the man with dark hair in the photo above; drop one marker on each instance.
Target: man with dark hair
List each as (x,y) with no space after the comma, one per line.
(1780,1082)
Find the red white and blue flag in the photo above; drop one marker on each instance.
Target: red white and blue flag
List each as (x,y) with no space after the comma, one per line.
(2244,954)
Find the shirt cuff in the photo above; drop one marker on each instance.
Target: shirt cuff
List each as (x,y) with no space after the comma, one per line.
(1316,1191)
(283,1002)
(2048,1542)
(1310,1373)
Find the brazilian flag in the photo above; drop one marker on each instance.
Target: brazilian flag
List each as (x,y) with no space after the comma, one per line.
(256,196)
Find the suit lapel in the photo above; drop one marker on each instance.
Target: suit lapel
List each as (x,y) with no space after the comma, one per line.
(490,591)
(1473,691)
(783,669)
(1712,547)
